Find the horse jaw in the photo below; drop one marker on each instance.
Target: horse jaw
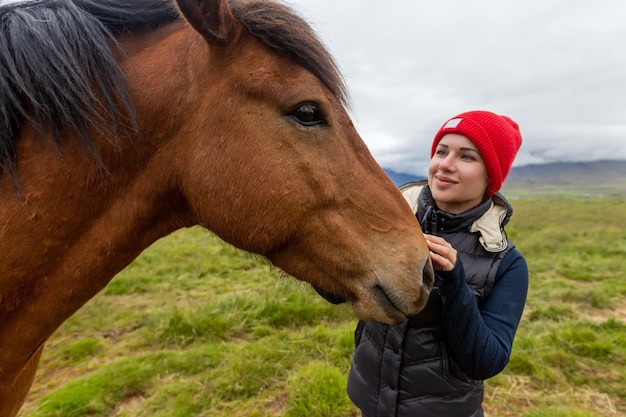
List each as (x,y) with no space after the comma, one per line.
(393,286)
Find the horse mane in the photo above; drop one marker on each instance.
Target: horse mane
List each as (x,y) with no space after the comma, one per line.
(287,33)
(58,69)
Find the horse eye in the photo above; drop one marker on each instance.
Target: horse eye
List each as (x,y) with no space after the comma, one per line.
(308,114)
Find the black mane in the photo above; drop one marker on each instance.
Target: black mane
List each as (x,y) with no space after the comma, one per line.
(58,70)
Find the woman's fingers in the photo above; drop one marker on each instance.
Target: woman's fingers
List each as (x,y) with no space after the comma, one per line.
(443,255)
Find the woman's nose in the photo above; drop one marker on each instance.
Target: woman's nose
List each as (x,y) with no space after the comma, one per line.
(447,163)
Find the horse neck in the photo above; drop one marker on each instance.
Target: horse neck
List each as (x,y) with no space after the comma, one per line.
(74,223)
(64,238)
(72,226)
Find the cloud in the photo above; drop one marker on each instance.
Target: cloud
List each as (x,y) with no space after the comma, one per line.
(556,67)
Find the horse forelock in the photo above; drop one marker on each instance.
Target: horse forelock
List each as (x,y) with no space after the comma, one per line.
(58,69)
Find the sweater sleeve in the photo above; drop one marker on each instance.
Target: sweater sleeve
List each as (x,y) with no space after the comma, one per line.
(480,338)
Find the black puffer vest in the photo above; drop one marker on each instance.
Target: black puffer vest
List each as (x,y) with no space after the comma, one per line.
(406,370)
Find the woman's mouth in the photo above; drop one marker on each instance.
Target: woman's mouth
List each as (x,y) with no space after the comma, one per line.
(444,180)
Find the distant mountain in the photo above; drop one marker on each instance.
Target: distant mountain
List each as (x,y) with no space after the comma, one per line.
(557,178)
(400,178)
(568,173)
(566,178)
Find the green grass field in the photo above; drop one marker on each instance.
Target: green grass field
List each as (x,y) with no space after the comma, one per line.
(196,328)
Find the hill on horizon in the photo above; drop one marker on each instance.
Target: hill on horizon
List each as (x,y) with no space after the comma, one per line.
(400,178)
(592,178)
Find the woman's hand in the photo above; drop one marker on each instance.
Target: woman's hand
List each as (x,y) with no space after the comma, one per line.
(442,254)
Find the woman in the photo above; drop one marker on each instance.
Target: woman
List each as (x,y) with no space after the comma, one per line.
(434,363)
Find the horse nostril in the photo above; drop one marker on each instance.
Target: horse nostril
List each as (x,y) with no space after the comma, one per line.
(428,275)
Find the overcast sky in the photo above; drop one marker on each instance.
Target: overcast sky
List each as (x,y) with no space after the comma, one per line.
(556,67)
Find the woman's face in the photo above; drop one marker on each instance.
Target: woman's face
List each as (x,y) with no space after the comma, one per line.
(457,175)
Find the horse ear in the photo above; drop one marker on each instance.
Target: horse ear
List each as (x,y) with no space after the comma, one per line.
(213,19)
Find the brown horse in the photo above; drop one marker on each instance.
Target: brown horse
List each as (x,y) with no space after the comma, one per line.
(124,120)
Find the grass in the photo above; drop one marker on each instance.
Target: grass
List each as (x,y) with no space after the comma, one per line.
(194,327)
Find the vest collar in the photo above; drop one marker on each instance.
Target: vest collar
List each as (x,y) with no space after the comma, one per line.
(487,219)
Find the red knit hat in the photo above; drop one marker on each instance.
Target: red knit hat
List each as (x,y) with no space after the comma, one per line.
(497,139)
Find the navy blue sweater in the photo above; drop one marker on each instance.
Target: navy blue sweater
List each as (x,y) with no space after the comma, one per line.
(481,337)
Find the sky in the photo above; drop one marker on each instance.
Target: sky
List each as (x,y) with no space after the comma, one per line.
(558,68)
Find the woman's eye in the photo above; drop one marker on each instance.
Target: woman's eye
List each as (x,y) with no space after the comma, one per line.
(308,114)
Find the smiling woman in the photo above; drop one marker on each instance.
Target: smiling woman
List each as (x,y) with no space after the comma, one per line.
(434,363)
(123,121)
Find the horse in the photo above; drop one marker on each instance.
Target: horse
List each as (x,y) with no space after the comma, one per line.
(125,120)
